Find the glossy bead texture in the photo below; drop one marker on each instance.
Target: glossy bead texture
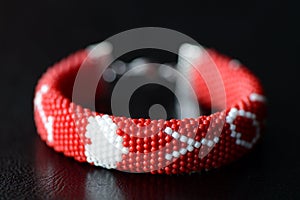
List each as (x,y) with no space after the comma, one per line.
(164,146)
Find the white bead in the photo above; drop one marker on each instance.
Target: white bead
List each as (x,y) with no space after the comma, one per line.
(232,115)
(98,118)
(233,110)
(183,151)
(176,154)
(168,130)
(105,129)
(238,135)
(101,122)
(229,119)
(175,135)
(248,114)
(113,126)
(216,139)
(204,141)
(94,161)
(119,139)
(111,140)
(242,113)
(88,159)
(119,159)
(119,145)
(168,156)
(233,134)
(108,120)
(238,141)
(210,143)
(183,138)
(257,97)
(49,127)
(44,89)
(125,150)
(190,148)
(197,144)
(232,127)
(91,119)
(87,153)
(190,141)
(105,117)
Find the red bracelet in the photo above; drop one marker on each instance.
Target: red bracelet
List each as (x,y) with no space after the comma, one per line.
(170,146)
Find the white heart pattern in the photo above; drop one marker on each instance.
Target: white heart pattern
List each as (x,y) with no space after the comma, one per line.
(106,147)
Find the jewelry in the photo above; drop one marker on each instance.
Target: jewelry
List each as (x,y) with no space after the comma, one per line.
(165,146)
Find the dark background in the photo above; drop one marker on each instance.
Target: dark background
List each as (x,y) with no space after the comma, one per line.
(35,34)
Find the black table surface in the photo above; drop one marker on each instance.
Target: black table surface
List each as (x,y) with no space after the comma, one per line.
(34,35)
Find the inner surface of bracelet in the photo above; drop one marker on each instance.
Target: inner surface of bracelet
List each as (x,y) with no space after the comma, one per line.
(151,100)
(163,97)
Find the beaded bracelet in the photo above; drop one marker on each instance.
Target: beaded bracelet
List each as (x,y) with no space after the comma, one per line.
(165,146)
